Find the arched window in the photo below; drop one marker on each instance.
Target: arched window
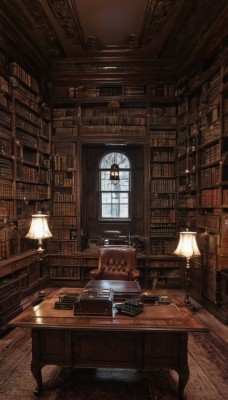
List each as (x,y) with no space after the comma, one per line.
(115,195)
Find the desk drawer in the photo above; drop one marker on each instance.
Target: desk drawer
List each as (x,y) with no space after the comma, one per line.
(163,349)
(19,264)
(107,349)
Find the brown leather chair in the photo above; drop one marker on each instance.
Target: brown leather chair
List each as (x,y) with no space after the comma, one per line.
(116,263)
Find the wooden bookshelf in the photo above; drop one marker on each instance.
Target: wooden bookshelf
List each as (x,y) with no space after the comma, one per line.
(202,143)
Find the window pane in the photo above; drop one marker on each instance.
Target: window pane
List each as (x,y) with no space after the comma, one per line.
(106,211)
(114,158)
(124,211)
(124,197)
(114,196)
(106,197)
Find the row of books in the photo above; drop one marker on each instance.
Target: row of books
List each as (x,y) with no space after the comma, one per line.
(161,155)
(162,120)
(72,131)
(106,112)
(210,176)
(4,86)
(6,209)
(163,185)
(60,179)
(63,221)
(225,197)
(187,201)
(34,192)
(6,133)
(166,231)
(162,142)
(43,146)
(128,120)
(6,168)
(6,190)
(164,264)
(26,139)
(113,130)
(163,200)
(208,134)
(27,127)
(5,119)
(162,90)
(103,91)
(25,96)
(163,216)
(160,246)
(6,147)
(210,198)
(60,261)
(210,221)
(64,197)
(162,170)
(8,248)
(63,162)
(32,175)
(61,234)
(68,272)
(65,112)
(210,155)
(19,72)
(62,247)
(67,122)
(115,91)
(27,114)
(64,209)
(163,111)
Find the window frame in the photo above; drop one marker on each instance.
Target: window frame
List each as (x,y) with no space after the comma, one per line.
(129,191)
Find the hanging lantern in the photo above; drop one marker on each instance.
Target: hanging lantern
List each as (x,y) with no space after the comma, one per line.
(114,174)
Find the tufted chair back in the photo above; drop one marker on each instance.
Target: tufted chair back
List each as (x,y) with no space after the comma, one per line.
(116,263)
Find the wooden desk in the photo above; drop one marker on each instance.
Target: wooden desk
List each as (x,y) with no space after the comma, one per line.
(154,339)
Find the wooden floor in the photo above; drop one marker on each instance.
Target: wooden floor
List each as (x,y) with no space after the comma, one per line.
(215,326)
(208,368)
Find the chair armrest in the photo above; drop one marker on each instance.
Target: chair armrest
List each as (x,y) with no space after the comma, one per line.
(94,273)
(134,274)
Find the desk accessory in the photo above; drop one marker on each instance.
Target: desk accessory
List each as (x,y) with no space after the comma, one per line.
(95,301)
(130,307)
(66,301)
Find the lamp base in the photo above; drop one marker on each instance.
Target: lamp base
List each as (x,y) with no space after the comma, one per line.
(40,250)
(188,303)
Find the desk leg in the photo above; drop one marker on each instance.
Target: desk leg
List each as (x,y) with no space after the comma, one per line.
(36,371)
(183,369)
(183,380)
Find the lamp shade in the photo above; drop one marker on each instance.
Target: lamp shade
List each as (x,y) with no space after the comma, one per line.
(187,246)
(39,227)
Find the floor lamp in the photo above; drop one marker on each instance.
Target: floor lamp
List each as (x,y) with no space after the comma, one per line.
(188,248)
(39,229)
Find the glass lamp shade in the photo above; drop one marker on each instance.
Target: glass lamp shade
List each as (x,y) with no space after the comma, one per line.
(114,173)
(187,246)
(39,229)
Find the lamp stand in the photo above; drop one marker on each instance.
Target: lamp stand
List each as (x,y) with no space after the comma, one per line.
(187,300)
(40,250)
(187,283)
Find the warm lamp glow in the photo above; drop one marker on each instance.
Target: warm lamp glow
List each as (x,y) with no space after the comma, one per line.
(39,229)
(187,246)
(114,173)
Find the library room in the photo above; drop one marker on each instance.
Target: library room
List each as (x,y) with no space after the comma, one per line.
(113,199)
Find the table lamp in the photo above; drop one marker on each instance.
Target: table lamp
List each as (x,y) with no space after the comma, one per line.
(39,229)
(187,247)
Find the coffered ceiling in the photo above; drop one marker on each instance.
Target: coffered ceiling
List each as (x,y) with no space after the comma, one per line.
(104,36)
